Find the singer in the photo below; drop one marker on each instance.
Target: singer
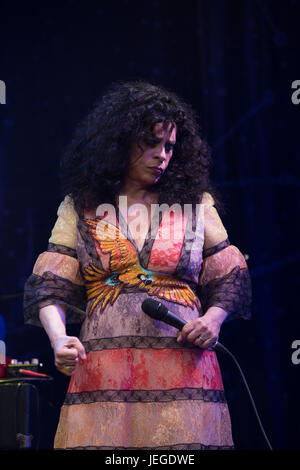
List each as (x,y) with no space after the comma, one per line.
(135,382)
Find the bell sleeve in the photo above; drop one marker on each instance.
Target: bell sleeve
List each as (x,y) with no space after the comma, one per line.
(56,276)
(224,279)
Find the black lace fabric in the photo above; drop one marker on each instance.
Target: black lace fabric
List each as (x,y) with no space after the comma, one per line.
(64,250)
(215,249)
(231,292)
(49,289)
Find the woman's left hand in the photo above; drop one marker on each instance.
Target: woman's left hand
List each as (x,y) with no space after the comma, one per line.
(203,331)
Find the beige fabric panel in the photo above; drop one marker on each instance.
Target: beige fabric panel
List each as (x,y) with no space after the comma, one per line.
(64,230)
(214,230)
(61,265)
(119,424)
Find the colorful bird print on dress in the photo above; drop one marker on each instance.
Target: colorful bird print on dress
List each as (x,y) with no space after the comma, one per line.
(125,272)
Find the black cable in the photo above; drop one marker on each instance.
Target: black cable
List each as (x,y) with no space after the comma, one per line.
(223,349)
(11,296)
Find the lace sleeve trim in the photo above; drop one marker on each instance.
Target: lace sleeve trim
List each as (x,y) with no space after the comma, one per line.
(232,292)
(49,289)
(63,250)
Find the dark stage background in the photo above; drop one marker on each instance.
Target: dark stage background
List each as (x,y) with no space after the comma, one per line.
(235,62)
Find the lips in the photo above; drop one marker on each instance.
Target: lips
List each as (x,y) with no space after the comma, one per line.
(156,170)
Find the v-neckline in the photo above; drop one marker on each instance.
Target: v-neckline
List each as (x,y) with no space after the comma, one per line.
(124,227)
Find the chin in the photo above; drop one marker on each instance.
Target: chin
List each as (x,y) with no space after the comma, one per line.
(151,181)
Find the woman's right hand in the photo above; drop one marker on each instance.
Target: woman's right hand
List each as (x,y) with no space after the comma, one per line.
(67,352)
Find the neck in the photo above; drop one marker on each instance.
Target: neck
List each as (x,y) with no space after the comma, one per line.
(136,193)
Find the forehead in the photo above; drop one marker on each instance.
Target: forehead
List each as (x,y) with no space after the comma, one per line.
(165,129)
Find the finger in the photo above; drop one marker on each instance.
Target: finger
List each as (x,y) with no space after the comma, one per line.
(67,354)
(189,327)
(199,341)
(194,334)
(66,370)
(81,351)
(76,343)
(180,338)
(205,342)
(63,362)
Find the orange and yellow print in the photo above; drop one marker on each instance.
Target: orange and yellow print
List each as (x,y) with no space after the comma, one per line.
(125,272)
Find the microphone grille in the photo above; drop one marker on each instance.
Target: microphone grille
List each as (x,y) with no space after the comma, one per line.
(154,309)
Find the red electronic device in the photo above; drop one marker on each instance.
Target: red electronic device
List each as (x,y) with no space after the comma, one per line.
(31,373)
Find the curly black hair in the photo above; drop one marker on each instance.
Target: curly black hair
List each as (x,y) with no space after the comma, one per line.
(94,162)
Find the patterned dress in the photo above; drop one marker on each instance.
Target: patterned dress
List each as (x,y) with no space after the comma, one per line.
(138,387)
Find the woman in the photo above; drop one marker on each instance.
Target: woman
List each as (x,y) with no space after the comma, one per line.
(139,219)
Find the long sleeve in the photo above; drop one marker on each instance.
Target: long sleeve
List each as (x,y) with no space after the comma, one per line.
(224,279)
(56,277)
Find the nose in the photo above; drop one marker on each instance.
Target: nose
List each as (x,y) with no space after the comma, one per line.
(161,153)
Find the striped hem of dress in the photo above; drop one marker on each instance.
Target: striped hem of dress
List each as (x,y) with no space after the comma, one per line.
(192,446)
(145,396)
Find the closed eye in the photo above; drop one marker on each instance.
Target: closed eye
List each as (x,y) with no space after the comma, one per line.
(152,143)
(169,146)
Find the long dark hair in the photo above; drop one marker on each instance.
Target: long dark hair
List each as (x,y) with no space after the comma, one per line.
(94,162)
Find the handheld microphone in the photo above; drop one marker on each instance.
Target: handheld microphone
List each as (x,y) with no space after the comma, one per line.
(158,311)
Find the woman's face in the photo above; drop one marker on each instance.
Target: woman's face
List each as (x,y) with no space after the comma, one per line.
(149,160)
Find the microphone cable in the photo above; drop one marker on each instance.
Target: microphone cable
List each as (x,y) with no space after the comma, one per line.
(222,348)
